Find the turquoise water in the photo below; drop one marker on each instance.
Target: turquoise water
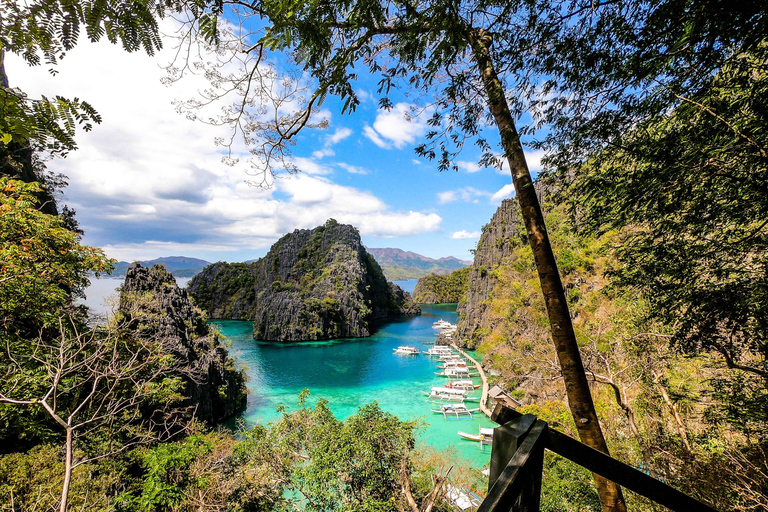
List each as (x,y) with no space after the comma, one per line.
(351,373)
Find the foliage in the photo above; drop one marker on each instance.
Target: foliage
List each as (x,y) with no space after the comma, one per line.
(43,265)
(662,410)
(439,288)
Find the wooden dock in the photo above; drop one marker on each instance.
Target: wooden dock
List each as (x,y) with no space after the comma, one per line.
(484,396)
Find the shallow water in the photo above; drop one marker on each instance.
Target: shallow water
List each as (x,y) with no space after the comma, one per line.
(352,373)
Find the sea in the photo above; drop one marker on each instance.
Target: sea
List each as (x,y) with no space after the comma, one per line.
(347,373)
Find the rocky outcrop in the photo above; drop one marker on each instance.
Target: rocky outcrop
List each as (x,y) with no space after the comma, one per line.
(499,237)
(154,307)
(314,284)
(441,289)
(226,290)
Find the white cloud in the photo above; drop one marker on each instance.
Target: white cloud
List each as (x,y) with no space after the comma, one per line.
(400,126)
(339,135)
(320,153)
(504,192)
(353,169)
(148,182)
(469,167)
(463,235)
(371,134)
(309,166)
(532,158)
(466,194)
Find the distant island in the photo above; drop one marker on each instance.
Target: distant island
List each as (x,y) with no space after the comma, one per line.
(399,265)
(179,266)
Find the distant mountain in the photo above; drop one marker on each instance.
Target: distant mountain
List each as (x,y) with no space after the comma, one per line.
(179,266)
(398,264)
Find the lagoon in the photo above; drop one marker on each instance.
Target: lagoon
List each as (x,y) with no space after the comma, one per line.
(347,373)
(352,373)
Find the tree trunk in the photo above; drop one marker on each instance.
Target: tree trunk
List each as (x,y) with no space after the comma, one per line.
(67,472)
(675,414)
(576,385)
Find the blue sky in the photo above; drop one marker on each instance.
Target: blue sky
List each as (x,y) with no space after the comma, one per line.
(148,182)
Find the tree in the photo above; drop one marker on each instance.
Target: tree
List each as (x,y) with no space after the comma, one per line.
(661,106)
(451,51)
(112,390)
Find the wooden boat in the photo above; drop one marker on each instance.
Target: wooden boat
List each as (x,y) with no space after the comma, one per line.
(484,436)
(465,384)
(453,364)
(455,410)
(406,350)
(457,372)
(439,350)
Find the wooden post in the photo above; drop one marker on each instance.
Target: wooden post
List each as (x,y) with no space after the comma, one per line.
(518,487)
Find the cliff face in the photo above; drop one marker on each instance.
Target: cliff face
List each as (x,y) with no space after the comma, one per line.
(441,289)
(493,249)
(226,290)
(314,284)
(156,308)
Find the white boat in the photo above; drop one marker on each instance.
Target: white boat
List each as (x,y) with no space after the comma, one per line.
(439,350)
(465,384)
(456,372)
(484,436)
(450,357)
(455,410)
(438,393)
(406,350)
(442,324)
(452,364)
(463,499)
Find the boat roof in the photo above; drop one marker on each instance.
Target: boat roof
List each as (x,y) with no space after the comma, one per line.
(448,391)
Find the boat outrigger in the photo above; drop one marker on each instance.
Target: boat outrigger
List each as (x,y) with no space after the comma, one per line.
(455,410)
(406,350)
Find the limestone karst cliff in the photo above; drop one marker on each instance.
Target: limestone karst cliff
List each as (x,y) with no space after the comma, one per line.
(493,249)
(314,284)
(154,307)
(441,289)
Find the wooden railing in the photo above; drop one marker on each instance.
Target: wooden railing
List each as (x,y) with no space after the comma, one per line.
(517,460)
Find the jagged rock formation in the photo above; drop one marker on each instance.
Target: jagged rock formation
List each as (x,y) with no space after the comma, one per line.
(441,289)
(154,307)
(314,284)
(493,249)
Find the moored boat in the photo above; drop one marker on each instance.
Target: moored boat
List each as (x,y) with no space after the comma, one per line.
(455,410)
(484,436)
(465,384)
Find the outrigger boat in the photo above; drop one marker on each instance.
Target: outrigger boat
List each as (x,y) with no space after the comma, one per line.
(452,364)
(406,350)
(439,350)
(455,410)
(456,372)
(465,384)
(448,395)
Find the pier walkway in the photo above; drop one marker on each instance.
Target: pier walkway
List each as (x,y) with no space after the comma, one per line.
(484,396)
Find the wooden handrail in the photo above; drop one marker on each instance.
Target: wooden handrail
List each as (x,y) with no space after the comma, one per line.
(530,441)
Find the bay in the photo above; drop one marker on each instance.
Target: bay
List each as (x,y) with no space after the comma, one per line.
(352,373)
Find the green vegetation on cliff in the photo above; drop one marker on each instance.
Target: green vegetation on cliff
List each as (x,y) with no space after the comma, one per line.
(440,289)
(314,284)
(661,409)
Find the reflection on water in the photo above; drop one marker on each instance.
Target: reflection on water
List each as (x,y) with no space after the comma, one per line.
(352,373)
